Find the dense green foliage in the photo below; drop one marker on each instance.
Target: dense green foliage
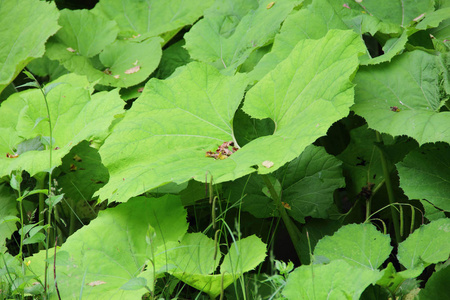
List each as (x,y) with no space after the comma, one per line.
(185,149)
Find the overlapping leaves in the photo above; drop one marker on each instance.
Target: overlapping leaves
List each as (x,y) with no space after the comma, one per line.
(176,121)
(306,186)
(99,259)
(76,115)
(231,31)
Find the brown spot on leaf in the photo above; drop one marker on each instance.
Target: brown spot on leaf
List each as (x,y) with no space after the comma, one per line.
(95,283)
(269,6)
(133,70)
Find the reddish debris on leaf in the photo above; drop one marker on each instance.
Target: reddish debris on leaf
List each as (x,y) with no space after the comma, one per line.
(139,90)
(395,108)
(223,151)
(15,155)
(346,5)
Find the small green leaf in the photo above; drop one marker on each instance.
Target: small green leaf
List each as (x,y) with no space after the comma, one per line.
(51,86)
(426,245)
(16,180)
(357,244)
(52,201)
(29,84)
(38,237)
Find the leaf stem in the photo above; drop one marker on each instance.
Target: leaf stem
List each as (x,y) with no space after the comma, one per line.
(390,191)
(292,229)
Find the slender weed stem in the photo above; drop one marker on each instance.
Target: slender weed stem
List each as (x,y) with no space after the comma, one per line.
(395,218)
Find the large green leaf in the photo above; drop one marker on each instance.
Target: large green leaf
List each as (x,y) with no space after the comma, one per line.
(25,26)
(99,259)
(87,45)
(357,244)
(336,280)
(151,17)
(166,134)
(425,174)
(426,245)
(402,98)
(76,115)
(229,33)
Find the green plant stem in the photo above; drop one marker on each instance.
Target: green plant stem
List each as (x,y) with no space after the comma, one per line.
(40,183)
(390,191)
(293,231)
(21,226)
